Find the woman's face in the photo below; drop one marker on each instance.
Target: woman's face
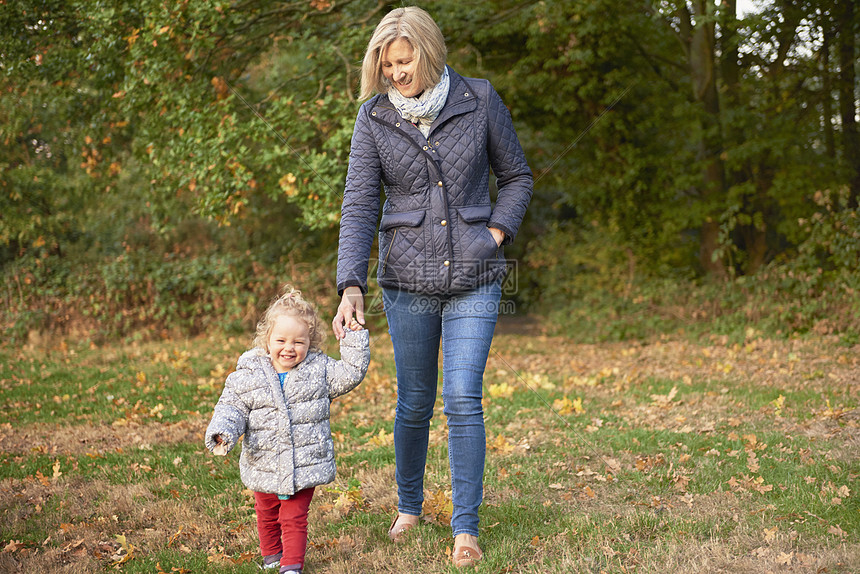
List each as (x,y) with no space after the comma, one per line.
(399,66)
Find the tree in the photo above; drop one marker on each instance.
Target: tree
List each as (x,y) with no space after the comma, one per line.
(720,130)
(219,104)
(691,136)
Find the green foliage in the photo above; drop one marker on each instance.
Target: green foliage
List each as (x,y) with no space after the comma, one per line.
(590,280)
(153,289)
(122,124)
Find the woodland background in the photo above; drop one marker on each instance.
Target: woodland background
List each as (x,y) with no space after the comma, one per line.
(166,164)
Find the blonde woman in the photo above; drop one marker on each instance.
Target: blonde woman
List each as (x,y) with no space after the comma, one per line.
(431,136)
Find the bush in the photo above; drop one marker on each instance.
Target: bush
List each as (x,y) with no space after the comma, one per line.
(592,287)
(145,294)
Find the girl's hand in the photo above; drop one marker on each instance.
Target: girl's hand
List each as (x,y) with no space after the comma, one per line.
(352,302)
(355,325)
(220,446)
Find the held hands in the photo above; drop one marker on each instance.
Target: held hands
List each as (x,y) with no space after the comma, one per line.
(351,303)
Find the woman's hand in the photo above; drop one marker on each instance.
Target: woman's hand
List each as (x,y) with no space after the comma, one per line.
(498,235)
(352,302)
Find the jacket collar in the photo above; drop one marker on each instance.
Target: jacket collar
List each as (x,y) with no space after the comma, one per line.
(461,99)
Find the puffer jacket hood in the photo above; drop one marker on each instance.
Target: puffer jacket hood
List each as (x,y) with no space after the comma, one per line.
(433,235)
(287,445)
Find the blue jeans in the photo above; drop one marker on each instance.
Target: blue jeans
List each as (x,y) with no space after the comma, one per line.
(464,325)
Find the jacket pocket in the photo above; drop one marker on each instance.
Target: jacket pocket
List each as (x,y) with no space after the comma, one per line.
(391,222)
(476,244)
(402,219)
(476,213)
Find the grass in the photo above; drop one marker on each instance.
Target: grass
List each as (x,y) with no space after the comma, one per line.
(671,456)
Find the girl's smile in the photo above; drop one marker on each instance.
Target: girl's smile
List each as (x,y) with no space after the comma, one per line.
(288,343)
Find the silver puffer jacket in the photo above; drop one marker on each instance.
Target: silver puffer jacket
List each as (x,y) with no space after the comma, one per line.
(433,235)
(287,445)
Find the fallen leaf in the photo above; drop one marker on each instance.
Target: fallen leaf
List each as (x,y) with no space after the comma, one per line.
(770,534)
(565,406)
(382,438)
(501,444)
(438,507)
(14,546)
(175,536)
(664,400)
(501,391)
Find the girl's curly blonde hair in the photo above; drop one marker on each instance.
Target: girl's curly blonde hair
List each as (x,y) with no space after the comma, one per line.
(289,302)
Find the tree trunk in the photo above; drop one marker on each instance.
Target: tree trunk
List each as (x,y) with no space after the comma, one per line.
(702,60)
(827,85)
(847,103)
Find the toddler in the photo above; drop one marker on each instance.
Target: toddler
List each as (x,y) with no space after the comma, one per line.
(279,398)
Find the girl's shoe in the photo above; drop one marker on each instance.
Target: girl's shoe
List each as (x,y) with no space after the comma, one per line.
(271,562)
(398,534)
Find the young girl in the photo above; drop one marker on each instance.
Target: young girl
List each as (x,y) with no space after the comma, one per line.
(279,398)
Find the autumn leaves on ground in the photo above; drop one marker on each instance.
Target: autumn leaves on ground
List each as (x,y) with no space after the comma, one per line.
(670,456)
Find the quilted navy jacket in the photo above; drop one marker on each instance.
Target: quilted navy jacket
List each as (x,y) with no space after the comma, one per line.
(433,235)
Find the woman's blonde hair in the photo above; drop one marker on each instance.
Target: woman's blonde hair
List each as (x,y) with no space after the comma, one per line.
(420,30)
(289,302)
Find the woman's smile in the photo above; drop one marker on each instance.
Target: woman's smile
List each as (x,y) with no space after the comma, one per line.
(399,65)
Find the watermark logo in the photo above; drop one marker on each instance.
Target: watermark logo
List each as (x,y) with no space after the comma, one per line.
(419,274)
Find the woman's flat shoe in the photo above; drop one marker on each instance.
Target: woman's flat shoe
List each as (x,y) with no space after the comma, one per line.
(398,535)
(466,556)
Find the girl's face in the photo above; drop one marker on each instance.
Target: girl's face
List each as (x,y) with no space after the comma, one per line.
(399,66)
(288,343)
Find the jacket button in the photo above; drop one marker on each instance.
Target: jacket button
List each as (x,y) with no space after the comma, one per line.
(440,184)
(437,144)
(373,113)
(446,263)
(397,124)
(444,222)
(425,148)
(466,94)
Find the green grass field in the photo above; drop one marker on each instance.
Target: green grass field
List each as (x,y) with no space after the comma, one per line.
(672,456)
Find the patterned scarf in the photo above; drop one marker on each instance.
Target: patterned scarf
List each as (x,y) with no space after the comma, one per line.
(425,108)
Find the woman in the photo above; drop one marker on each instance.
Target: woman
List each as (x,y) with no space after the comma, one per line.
(431,136)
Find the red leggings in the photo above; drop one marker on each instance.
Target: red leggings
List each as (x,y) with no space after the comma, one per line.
(283,526)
